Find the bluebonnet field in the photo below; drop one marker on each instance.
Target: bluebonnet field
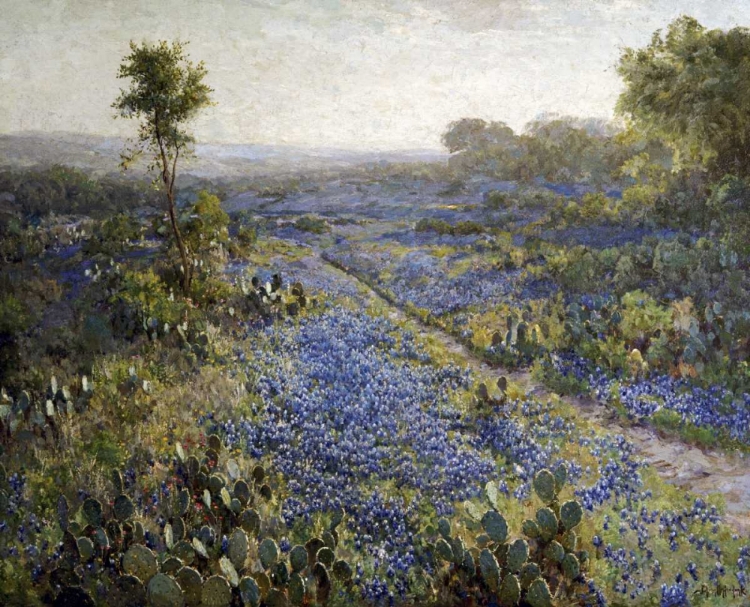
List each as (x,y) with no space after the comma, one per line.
(310,398)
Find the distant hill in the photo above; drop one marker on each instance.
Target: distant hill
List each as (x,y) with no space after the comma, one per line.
(101,155)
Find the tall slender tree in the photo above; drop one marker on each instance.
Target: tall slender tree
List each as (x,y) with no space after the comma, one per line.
(166,92)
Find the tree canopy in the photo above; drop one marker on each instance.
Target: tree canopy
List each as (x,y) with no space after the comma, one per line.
(690,88)
(166,92)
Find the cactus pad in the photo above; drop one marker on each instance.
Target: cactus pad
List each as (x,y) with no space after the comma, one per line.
(250,521)
(123,508)
(443,550)
(529,572)
(92,510)
(184,551)
(326,556)
(444,528)
(561,476)
(538,594)
(554,552)
(571,567)
(495,525)
(163,591)
(238,548)
(544,486)
(216,592)
(490,569)
(322,582)
(241,491)
(547,522)
(571,514)
(298,558)
(268,552)
(518,553)
(249,592)
(510,591)
(530,529)
(229,572)
(296,589)
(140,562)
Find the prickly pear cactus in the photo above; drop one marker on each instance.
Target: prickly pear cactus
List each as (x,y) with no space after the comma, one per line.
(443,550)
(570,566)
(544,486)
(238,548)
(326,556)
(561,476)
(529,572)
(547,522)
(268,552)
(342,571)
(531,529)
(140,562)
(216,592)
(298,558)
(163,591)
(250,521)
(518,553)
(495,525)
(571,514)
(92,511)
(322,582)
(490,569)
(538,594)
(192,585)
(229,572)
(554,552)
(123,508)
(510,591)
(296,589)
(249,592)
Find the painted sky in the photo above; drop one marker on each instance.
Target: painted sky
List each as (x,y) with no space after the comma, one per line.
(360,74)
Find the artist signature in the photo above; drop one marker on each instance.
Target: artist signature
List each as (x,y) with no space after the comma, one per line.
(721,590)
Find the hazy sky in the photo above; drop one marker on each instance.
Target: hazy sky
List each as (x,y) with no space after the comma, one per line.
(387,74)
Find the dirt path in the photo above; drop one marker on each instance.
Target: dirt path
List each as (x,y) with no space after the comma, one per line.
(687,466)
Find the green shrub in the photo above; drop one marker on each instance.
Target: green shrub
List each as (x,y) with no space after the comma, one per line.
(314,225)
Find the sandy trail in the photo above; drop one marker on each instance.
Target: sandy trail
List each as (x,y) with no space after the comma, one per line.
(686,466)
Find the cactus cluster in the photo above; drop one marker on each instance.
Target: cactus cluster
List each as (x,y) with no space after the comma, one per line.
(213,545)
(25,418)
(541,570)
(485,402)
(271,298)
(521,343)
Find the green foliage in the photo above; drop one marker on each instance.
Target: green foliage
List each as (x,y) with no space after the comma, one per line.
(686,87)
(67,190)
(315,225)
(205,228)
(166,92)
(113,235)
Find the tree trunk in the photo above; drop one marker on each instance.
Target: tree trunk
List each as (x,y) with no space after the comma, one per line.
(187,268)
(168,179)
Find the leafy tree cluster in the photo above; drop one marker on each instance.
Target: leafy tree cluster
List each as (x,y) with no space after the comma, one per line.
(558,149)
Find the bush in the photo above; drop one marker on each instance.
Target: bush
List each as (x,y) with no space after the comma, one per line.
(314,225)
(113,235)
(497,200)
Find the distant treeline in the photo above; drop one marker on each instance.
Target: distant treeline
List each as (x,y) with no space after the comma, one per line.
(36,192)
(557,149)
(64,190)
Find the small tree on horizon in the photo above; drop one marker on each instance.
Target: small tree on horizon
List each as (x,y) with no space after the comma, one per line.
(166,91)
